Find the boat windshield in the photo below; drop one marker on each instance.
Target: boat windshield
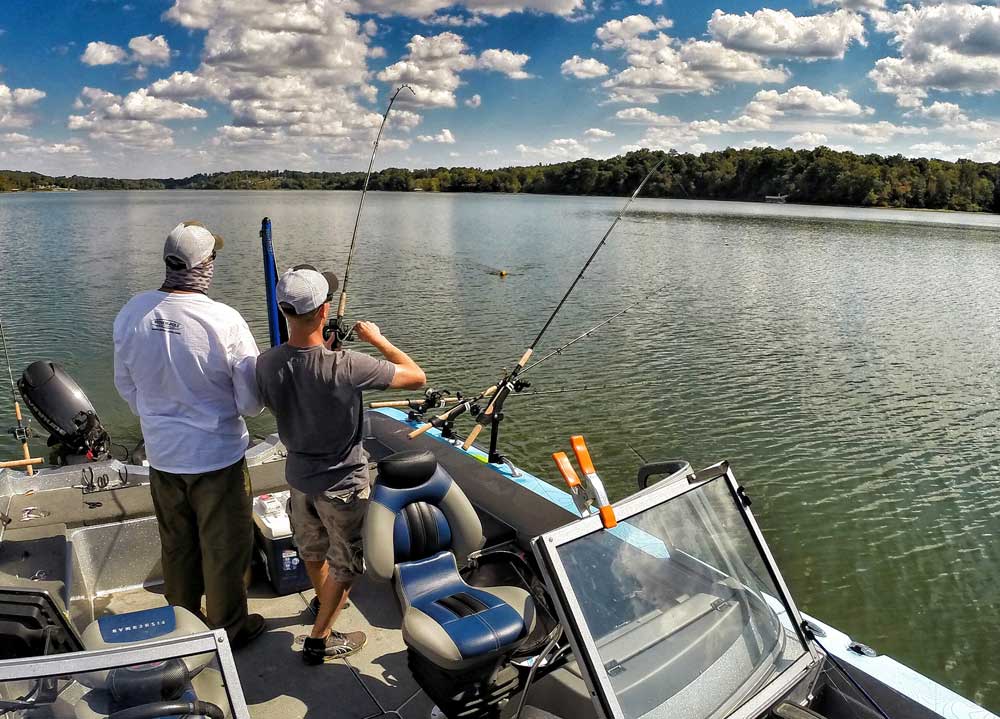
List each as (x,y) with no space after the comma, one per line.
(680,608)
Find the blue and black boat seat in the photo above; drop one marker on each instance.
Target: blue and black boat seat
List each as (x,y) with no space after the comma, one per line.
(420,527)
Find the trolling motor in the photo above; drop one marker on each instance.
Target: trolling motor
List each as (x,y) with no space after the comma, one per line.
(76,434)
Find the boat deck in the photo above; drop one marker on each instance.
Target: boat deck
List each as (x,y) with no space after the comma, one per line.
(276,683)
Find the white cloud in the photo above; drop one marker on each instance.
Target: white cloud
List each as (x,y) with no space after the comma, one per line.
(861,5)
(881,132)
(584,68)
(564,148)
(942,112)
(135,120)
(661,64)
(433,64)
(474,101)
(596,133)
(102,53)
(490,153)
(939,150)
(623,34)
(807,139)
(432,68)
(945,46)
(668,131)
(449,20)
(497,8)
(149,50)
(804,101)
(14,138)
(444,137)
(15,105)
(988,151)
(779,33)
(146,50)
(294,77)
(646,117)
(509,63)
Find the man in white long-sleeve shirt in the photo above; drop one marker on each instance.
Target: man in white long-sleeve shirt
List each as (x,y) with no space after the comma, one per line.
(185,364)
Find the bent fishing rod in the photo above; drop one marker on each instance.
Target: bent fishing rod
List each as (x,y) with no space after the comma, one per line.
(499,392)
(20,432)
(336,325)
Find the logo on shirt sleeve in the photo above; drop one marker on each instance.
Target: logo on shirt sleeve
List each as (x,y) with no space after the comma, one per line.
(158,324)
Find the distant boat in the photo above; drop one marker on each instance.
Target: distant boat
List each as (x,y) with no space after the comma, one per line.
(779,199)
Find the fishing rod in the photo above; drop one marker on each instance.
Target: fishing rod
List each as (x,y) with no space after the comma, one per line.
(418,404)
(436,398)
(509,382)
(20,432)
(335,326)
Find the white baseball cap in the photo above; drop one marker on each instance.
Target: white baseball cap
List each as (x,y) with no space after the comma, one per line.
(190,244)
(304,288)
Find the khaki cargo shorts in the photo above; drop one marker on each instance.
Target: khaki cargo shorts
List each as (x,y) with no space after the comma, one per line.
(328,526)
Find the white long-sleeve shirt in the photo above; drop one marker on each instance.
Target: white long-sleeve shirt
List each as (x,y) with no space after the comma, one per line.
(185,364)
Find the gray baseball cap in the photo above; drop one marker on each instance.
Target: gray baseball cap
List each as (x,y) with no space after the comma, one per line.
(191,244)
(304,288)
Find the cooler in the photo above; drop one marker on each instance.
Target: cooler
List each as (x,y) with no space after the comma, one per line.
(273,538)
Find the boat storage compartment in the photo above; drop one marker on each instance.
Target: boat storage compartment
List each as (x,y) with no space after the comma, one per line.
(32,624)
(273,539)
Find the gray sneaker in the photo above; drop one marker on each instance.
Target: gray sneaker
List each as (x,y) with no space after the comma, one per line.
(336,646)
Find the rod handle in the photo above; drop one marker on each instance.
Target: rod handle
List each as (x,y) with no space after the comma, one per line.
(525,357)
(24,445)
(444,416)
(342,307)
(472,436)
(26,462)
(406,403)
(420,430)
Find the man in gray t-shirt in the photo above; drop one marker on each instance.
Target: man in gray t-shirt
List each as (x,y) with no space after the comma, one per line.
(315,395)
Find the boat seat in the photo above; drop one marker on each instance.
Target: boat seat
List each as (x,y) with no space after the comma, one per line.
(115,630)
(419,527)
(453,624)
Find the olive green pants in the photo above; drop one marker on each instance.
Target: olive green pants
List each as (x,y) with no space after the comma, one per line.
(206,540)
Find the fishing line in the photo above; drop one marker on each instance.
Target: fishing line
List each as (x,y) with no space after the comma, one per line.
(335,326)
(593,329)
(505,386)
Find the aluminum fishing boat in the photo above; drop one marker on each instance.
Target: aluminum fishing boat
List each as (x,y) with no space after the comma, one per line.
(503,596)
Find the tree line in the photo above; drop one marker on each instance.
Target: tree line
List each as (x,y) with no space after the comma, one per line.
(819,176)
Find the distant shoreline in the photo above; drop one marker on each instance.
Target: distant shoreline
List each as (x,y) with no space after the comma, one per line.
(820,177)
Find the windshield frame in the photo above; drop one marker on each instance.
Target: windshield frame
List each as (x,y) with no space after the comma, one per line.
(546,548)
(75,663)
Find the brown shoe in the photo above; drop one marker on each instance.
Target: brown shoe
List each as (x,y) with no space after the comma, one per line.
(336,646)
(253,627)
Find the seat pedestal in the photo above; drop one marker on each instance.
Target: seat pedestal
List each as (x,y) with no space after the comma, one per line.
(477,693)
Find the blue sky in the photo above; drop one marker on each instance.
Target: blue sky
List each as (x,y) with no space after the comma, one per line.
(173,87)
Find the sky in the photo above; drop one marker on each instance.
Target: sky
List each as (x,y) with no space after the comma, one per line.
(170,88)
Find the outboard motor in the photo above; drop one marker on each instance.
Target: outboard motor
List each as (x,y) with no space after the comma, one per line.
(60,406)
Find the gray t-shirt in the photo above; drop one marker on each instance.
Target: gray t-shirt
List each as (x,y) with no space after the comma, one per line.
(315,395)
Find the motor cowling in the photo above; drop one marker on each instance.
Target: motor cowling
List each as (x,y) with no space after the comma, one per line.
(64,411)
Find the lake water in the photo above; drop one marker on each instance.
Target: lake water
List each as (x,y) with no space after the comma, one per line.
(845,361)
